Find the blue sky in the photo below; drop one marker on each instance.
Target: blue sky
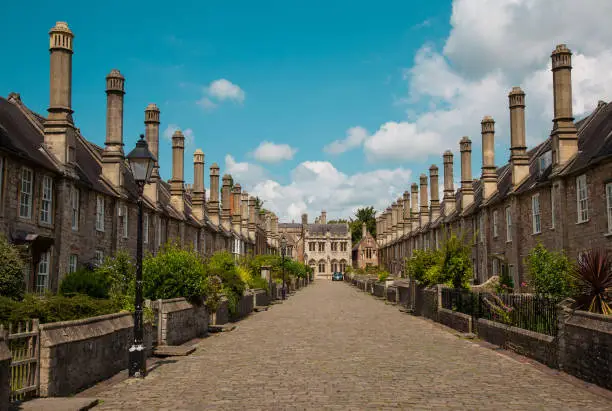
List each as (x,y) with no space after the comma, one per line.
(299,73)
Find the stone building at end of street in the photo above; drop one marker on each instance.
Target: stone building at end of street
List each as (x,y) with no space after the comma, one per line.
(365,252)
(558,193)
(67,202)
(324,247)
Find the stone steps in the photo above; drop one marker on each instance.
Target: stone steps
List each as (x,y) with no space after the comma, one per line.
(57,404)
(173,350)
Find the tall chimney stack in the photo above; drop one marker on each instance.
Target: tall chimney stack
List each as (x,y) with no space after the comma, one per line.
(237,208)
(518,158)
(225,202)
(434,192)
(489,175)
(252,219)
(424,203)
(177,184)
(414,201)
(394,220)
(364,230)
(449,184)
(198,195)
(400,217)
(152,135)
(244,214)
(59,127)
(213,202)
(112,156)
(467,189)
(406,213)
(323,217)
(564,133)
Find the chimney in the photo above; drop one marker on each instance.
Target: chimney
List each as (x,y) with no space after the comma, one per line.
(467,188)
(489,174)
(388,225)
(198,195)
(244,215)
(304,219)
(226,205)
(177,188)
(564,133)
(400,217)
(323,217)
(364,230)
(406,213)
(414,201)
(237,208)
(424,202)
(449,184)
(60,135)
(252,219)
(213,202)
(518,158)
(394,221)
(434,192)
(275,229)
(112,156)
(152,135)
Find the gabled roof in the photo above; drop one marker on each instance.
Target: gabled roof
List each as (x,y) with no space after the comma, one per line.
(338,229)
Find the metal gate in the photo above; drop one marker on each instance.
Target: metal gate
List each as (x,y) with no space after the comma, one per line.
(24,343)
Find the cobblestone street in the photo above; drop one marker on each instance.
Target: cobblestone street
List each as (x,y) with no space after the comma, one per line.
(333,347)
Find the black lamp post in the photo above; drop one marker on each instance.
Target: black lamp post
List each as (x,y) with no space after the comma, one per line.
(141,163)
(283,252)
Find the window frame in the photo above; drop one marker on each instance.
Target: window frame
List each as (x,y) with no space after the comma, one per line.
(42,286)
(99,256)
(29,202)
(508,224)
(125,221)
(46,200)
(73,262)
(145,228)
(536,217)
(582,204)
(495,233)
(75,205)
(100,212)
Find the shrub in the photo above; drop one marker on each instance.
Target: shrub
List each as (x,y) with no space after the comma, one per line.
(348,270)
(214,289)
(594,282)
(550,273)
(222,264)
(420,263)
(456,269)
(84,281)
(505,284)
(173,273)
(383,275)
(11,271)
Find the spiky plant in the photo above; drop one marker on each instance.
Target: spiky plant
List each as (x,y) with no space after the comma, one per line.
(594,282)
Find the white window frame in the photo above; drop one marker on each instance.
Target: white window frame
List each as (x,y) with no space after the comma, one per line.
(99,257)
(536,220)
(42,272)
(145,228)
(73,260)
(494,223)
(582,199)
(609,206)
(46,200)
(100,213)
(508,224)
(25,193)
(74,207)
(495,266)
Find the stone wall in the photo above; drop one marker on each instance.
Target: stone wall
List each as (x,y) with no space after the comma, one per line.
(391,294)
(77,354)
(181,321)
(245,306)
(379,290)
(261,297)
(586,346)
(5,373)
(426,302)
(222,315)
(458,321)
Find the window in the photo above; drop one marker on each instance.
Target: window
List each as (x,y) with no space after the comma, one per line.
(512,274)
(46,201)
(145,228)
(72,263)
(436,240)
(195,241)
(321,246)
(42,277)
(74,204)
(343,246)
(321,266)
(342,266)
(368,253)
(609,205)
(99,257)
(535,213)
(481,231)
(312,246)
(475,232)
(25,196)
(582,199)
(334,246)
(126,211)
(159,231)
(544,161)
(508,225)
(100,213)
(334,267)
(495,223)
(552,207)
(495,266)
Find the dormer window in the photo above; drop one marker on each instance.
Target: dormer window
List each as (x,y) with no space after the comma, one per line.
(544,161)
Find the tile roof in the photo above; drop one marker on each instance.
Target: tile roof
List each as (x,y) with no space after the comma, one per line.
(338,229)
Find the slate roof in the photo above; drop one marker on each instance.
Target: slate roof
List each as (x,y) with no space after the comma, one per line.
(338,229)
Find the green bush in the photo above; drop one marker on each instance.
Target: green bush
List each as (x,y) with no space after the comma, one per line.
(456,260)
(550,273)
(506,283)
(223,265)
(422,260)
(383,275)
(173,273)
(11,270)
(83,281)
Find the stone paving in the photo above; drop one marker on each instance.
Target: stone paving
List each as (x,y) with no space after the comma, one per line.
(332,347)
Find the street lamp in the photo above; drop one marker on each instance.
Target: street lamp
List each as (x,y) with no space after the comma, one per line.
(141,164)
(283,251)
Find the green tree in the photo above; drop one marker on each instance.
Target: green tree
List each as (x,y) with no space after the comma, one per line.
(365,215)
(11,271)
(550,273)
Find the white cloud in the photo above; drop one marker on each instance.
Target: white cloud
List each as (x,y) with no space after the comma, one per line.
(269,152)
(246,174)
(206,103)
(483,57)
(223,89)
(188,133)
(355,136)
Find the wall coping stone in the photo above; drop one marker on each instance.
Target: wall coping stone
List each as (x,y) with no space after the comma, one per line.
(528,333)
(53,334)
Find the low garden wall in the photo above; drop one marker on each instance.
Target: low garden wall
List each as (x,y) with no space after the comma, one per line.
(222,315)
(392,294)
(244,308)
(180,321)
(458,321)
(379,290)
(261,297)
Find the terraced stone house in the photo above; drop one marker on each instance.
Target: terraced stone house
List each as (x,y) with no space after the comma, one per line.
(68,202)
(558,193)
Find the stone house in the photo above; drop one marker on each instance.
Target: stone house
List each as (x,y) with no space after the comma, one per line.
(67,202)
(365,252)
(558,193)
(324,247)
